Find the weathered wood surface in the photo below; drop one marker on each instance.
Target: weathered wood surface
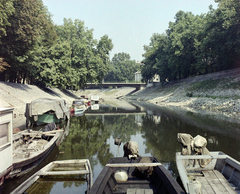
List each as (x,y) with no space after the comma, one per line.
(134,164)
(214,182)
(139,191)
(46,171)
(161,181)
(223,177)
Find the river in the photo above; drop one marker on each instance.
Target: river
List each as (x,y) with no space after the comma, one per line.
(92,135)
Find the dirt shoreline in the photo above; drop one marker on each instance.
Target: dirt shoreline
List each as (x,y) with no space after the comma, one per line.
(222,99)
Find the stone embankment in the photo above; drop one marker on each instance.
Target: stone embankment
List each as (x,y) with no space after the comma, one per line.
(216,93)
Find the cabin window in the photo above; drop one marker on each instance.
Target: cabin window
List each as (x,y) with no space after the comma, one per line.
(4,133)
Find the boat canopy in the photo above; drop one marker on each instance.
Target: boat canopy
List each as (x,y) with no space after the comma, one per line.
(44,105)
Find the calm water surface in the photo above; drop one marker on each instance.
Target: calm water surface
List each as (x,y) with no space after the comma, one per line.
(155,129)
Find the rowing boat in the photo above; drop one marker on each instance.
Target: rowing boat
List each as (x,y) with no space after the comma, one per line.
(58,170)
(140,175)
(220,175)
(30,148)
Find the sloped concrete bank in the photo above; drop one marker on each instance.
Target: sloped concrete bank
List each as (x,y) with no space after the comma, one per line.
(17,95)
(216,93)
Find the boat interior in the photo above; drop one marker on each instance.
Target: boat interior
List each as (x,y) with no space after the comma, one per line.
(221,175)
(153,179)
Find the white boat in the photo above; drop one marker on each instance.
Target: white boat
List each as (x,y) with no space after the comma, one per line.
(202,171)
(6,146)
(221,175)
(95,98)
(95,107)
(59,168)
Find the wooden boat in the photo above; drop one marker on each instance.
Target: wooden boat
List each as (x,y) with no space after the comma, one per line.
(59,169)
(79,106)
(95,99)
(154,179)
(6,146)
(221,175)
(45,110)
(30,148)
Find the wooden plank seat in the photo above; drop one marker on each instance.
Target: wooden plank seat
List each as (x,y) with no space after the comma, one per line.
(139,191)
(214,182)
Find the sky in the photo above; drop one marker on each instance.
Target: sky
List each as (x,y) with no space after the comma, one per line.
(129,23)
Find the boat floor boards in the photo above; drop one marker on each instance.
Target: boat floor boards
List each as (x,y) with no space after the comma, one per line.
(214,182)
(139,191)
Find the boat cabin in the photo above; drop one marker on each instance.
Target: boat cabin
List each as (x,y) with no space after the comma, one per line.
(6,117)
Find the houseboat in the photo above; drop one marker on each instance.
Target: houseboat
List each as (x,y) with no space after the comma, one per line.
(6,147)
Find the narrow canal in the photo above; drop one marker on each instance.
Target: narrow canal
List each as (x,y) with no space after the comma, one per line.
(92,135)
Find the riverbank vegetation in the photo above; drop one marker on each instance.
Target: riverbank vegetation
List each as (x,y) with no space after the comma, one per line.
(35,50)
(195,44)
(122,68)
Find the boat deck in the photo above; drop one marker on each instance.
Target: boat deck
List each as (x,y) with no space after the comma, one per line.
(213,181)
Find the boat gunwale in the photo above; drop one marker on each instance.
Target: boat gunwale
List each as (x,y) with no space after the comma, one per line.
(45,172)
(164,175)
(216,155)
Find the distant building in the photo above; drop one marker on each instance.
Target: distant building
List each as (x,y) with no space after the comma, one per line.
(156,78)
(138,77)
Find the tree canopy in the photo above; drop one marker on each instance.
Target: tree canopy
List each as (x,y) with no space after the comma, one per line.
(122,68)
(195,45)
(36,50)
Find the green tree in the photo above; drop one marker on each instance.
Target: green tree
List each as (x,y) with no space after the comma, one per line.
(122,68)
(88,56)
(29,24)
(6,10)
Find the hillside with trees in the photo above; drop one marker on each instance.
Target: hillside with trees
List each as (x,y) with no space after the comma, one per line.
(195,45)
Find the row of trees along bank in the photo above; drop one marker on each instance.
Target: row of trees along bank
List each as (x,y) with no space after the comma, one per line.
(195,45)
(32,48)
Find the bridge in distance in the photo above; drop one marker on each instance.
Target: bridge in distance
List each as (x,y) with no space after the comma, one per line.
(138,86)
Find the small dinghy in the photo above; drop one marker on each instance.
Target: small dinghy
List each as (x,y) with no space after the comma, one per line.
(133,174)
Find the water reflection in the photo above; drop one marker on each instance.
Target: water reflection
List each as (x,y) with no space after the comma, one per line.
(91,135)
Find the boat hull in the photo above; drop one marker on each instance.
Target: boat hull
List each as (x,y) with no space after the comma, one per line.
(22,166)
(160,181)
(220,175)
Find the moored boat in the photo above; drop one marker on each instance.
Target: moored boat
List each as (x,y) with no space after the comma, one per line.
(6,146)
(45,110)
(140,175)
(221,175)
(202,171)
(30,148)
(59,169)
(78,106)
(95,99)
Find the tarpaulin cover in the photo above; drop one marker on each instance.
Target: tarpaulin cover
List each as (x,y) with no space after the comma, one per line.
(43,105)
(194,146)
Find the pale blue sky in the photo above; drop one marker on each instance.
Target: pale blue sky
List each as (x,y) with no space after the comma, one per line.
(129,23)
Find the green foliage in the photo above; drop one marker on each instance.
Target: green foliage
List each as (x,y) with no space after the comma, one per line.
(6,10)
(122,68)
(64,56)
(195,45)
